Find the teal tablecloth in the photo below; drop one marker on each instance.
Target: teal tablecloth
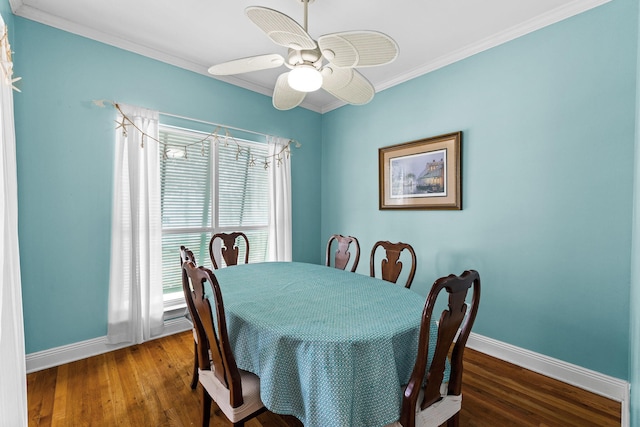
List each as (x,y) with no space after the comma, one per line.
(330,347)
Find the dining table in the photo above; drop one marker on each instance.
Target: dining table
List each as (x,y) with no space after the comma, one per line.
(331,347)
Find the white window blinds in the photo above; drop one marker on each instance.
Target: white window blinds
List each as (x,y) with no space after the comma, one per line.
(207,188)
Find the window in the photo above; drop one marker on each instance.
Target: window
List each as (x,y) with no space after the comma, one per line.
(208,188)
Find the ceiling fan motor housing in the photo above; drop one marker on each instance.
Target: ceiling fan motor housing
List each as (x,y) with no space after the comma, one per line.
(304,56)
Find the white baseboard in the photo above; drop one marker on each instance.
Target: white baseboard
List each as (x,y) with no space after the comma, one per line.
(604,385)
(81,350)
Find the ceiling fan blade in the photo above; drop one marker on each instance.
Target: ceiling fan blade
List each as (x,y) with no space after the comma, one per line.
(358,48)
(280,28)
(245,65)
(347,85)
(284,97)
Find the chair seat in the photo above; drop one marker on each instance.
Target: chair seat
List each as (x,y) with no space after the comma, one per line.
(436,414)
(187,316)
(220,394)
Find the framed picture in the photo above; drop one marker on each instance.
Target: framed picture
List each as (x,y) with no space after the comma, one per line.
(423,174)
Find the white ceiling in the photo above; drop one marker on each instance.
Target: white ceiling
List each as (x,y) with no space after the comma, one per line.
(195,34)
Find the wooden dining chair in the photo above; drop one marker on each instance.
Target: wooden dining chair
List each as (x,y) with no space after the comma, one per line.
(236,392)
(432,403)
(342,254)
(186,255)
(391,266)
(229,249)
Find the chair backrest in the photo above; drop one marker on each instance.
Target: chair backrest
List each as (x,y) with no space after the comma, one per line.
(342,254)
(186,255)
(229,249)
(216,340)
(391,266)
(456,319)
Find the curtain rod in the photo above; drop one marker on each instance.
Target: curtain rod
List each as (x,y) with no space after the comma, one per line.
(101,102)
(218,124)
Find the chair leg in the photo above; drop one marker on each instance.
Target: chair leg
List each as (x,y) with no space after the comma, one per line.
(454,421)
(194,379)
(206,408)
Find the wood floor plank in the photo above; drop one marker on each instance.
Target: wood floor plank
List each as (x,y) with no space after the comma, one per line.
(551,402)
(115,394)
(60,396)
(41,407)
(157,363)
(138,410)
(77,404)
(148,385)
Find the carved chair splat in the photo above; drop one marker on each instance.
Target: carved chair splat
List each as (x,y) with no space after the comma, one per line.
(342,254)
(391,266)
(229,249)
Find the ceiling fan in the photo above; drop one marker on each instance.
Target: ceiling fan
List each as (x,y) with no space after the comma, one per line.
(343,51)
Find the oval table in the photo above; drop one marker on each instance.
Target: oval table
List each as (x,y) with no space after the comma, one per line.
(331,347)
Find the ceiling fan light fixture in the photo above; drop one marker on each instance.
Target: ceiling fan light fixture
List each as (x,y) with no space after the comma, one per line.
(344,51)
(305,78)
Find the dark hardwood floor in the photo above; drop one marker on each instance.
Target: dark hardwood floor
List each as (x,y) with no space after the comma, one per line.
(148,385)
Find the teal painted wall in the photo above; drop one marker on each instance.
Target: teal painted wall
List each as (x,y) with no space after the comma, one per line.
(548,145)
(65,162)
(548,159)
(634,323)
(7,15)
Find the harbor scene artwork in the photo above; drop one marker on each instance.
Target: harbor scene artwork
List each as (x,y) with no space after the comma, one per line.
(419,175)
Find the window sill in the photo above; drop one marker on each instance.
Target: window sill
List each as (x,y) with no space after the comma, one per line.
(174,306)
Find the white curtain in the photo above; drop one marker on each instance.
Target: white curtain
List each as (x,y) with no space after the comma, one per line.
(13,385)
(135,283)
(279,201)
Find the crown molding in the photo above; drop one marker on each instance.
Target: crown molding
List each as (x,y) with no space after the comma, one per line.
(566,11)
(31,13)
(37,15)
(556,15)
(15,5)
